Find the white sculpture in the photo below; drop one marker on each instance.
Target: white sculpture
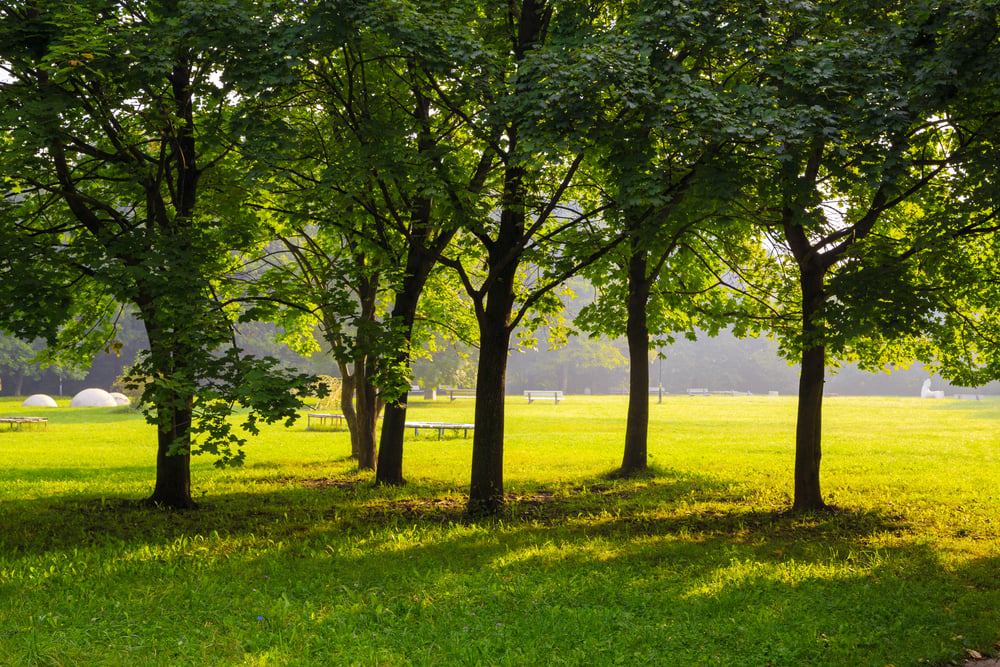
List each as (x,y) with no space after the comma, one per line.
(93,398)
(927,392)
(39,401)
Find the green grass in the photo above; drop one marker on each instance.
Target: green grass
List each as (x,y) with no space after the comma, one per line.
(296,560)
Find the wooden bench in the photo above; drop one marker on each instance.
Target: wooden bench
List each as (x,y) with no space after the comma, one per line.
(543,395)
(461,393)
(15,423)
(322,418)
(440,426)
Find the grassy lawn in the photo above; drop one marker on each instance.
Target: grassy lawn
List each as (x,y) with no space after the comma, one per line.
(294,559)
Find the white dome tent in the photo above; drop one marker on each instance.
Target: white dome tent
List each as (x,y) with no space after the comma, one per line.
(93,398)
(39,401)
(120,399)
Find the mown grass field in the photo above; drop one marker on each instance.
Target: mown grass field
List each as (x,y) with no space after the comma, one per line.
(294,559)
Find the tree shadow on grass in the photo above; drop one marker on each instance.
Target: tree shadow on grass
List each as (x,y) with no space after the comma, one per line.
(678,565)
(666,502)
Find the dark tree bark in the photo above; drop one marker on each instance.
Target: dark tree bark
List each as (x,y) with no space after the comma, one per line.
(174,410)
(347,407)
(367,414)
(486,490)
(809,423)
(423,250)
(173,470)
(390,453)
(637,333)
(366,393)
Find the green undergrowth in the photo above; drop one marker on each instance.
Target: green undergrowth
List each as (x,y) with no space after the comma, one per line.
(296,559)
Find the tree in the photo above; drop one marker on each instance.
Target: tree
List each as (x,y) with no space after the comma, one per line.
(656,128)
(860,130)
(116,147)
(520,219)
(359,197)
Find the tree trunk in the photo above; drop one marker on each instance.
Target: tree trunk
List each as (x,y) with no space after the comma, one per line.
(174,411)
(390,452)
(808,429)
(637,334)
(419,262)
(367,414)
(504,254)
(347,381)
(486,492)
(173,470)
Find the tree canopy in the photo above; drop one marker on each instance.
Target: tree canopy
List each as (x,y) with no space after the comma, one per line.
(819,172)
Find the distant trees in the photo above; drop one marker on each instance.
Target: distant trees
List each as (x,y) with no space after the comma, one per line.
(20,361)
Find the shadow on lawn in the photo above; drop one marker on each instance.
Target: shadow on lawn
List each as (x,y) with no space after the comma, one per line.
(666,503)
(676,563)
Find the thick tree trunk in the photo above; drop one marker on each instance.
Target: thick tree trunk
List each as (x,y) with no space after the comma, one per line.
(390,452)
(173,470)
(637,334)
(367,413)
(486,491)
(174,412)
(404,311)
(808,429)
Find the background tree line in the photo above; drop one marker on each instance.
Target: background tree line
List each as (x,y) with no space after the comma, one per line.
(383,172)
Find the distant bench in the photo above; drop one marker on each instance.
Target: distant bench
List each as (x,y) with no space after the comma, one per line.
(322,418)
(15,423)
(543,395)
(441,427)
(698,391)
(461,393)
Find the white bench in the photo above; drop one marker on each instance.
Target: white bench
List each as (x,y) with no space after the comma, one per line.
(698,391)
(322,418)
(543,395)
(440,426)
(461,393)
(15,423)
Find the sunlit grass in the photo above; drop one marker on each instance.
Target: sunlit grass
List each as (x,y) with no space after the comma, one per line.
(295,559)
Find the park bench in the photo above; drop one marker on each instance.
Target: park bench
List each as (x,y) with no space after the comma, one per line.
(543,395)
(969,397)
(698,391)
(322,418)
(15,423)
(461,393)
(440,427)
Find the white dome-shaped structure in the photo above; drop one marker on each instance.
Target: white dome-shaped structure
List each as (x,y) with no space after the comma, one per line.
(120,399)
(93,398)
(39,401)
